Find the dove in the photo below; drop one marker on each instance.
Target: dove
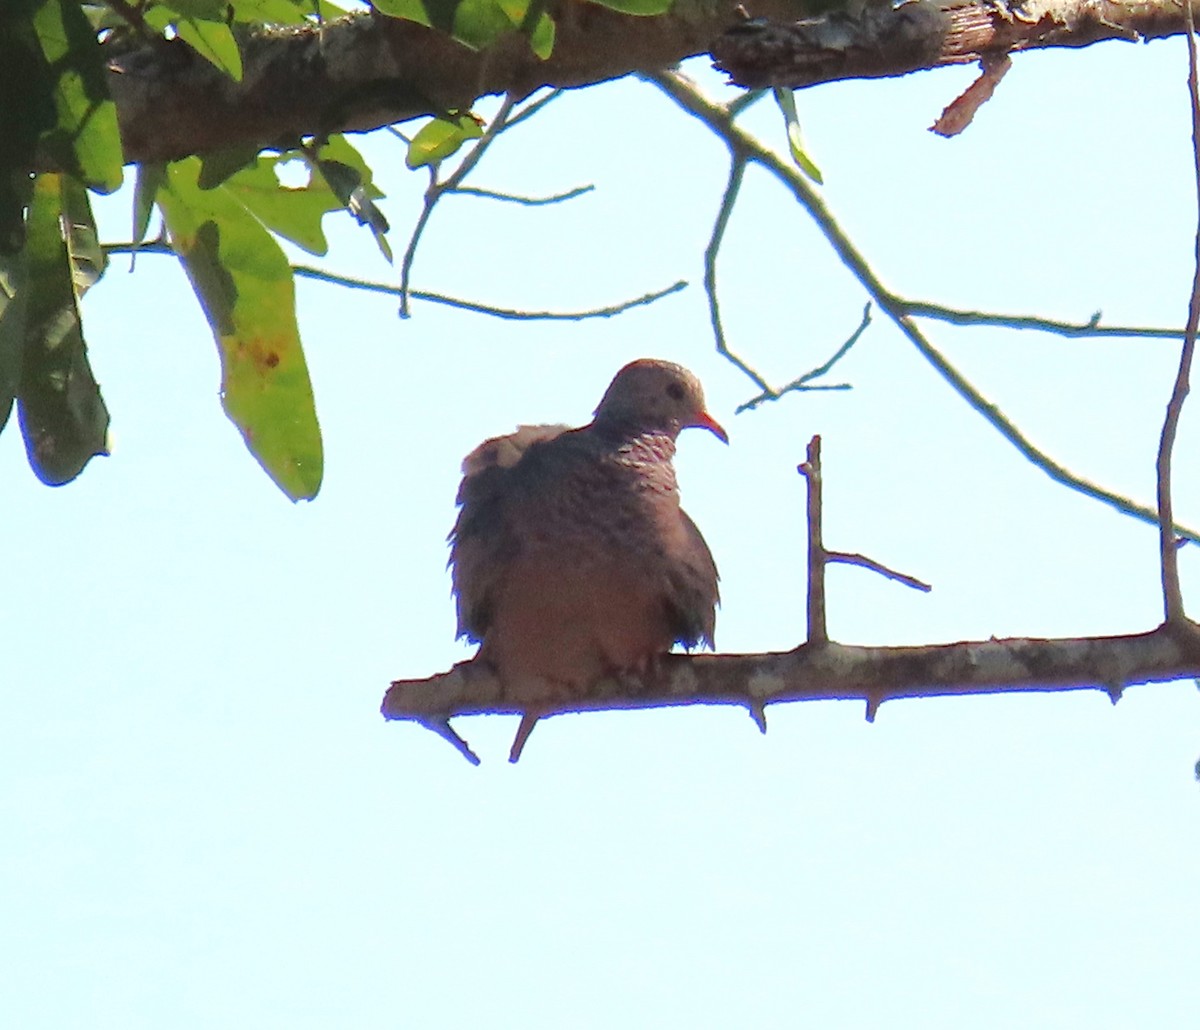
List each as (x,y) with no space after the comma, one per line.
(572,560)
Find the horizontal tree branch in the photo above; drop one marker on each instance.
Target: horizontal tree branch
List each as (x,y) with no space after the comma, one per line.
(828,672)
(368,70)
(868,39)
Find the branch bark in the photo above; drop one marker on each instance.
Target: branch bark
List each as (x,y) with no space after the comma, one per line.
(834,671)
(366,71)
(871,40)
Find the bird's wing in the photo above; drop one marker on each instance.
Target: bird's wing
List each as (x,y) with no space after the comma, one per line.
(484,540)
(692,593)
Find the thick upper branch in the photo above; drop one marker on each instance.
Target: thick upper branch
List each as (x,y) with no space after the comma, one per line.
(881,40)
(370,70)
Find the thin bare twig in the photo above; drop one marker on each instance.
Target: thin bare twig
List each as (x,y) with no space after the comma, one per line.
(532,108)
(432,193)
(515,314)
(805,382)
(504,119)
(160,246)
(742,102)
(1168,550)
(853,558)
(684,92)
(514,198)
(1090,328)
(439,188)
(737,169)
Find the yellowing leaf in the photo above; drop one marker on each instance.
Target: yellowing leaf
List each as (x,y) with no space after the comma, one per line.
(441,137)
(244,284)
(787,104)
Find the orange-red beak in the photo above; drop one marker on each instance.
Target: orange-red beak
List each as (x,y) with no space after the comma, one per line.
(703,420)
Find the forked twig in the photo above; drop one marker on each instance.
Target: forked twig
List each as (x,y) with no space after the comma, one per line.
(685,93)
(737,169)
(805,381)
(439,188)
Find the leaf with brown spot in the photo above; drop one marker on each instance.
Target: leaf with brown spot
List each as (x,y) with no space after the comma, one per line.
(244,283)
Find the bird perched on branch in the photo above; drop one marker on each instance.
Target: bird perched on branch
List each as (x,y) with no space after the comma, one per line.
(572,559)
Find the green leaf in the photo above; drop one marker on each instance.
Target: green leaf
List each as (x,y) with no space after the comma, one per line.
(338,148)
(88,259)
(26,112)
(149,178)
(273,12)
(218,165)
(250,12)
(530,18)
(441,137)
(13,301)
(84,139)
(645,8)
(63,418)
(293,212)
(435,14)
(145,191)
(477,23)
(541,39)
(207,10)
(787,104)
(337,155)
(338,178)
(212,40)
(326,11)
(245,287)
(353,194)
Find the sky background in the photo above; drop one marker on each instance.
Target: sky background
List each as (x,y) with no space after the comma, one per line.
(205,822)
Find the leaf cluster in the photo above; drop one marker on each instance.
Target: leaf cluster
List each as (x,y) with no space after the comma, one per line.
(223,215)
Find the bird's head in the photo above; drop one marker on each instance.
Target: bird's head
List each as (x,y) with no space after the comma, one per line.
(653,395)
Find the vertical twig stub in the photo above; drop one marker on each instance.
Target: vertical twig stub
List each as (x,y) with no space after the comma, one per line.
(818,632)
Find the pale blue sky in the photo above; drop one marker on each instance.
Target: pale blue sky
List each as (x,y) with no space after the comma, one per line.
(206,823)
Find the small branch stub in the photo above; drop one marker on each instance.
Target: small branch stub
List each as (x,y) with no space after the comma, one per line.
(818,631)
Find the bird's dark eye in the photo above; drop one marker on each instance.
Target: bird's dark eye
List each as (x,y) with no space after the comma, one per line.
(675,391)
